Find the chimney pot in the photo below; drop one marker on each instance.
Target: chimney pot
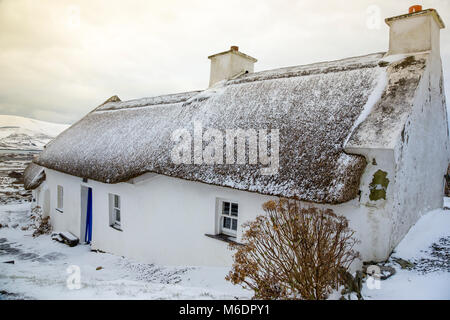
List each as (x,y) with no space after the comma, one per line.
(229,64)
(415,8)
(416,31)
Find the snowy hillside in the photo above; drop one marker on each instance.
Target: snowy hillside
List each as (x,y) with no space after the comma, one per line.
(21,133)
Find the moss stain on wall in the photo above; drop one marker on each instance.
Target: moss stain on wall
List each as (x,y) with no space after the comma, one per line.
(378,186)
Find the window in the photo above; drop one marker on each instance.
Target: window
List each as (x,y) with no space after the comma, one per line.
(60,198)
(114,211)
(228,218)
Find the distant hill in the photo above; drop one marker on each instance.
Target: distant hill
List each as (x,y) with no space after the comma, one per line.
(19,133)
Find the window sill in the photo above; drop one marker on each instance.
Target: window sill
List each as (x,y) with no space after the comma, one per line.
(224,238)
(59,210)
(116,227)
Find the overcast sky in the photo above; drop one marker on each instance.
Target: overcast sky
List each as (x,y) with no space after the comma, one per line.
(60,59)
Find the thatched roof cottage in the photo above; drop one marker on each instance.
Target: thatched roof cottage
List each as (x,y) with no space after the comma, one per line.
(156,179)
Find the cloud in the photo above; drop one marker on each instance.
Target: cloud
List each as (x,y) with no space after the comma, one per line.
(60,59)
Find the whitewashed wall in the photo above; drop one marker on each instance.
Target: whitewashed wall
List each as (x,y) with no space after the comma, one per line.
(164,220)
(422,155)
(69,219)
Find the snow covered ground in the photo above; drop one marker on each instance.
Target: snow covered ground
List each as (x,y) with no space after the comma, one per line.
(43,268)
(40,270)
(425,256)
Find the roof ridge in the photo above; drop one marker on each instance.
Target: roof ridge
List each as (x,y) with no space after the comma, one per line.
(305,69)
(148,101)
(248,77)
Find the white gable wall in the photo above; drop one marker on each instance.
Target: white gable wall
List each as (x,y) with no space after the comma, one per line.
(422,154)
(415,165)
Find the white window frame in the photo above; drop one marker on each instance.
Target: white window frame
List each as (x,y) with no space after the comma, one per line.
(113,209)
(59,198)
(222,215)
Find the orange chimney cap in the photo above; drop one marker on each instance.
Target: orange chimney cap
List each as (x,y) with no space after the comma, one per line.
(415,8)
(413,13)
(234,48)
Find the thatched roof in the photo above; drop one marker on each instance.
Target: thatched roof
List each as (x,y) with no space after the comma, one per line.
(33,176)
(316,107)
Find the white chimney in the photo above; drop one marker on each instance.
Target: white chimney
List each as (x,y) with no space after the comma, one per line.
(415,31)
(229,64)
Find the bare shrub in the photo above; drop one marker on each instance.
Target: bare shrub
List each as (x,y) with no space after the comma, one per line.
(293,252)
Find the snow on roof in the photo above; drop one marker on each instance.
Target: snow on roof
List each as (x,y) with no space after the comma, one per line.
(145,102)
(385,123)
(315,108)
(33,176)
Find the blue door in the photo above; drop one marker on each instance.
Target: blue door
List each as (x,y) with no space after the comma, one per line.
(88,233)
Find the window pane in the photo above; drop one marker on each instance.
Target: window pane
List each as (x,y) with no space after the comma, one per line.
(60,197)
(226,208)
(117,215)
(116,201)
(226,223)
(234,209)
(234,225)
